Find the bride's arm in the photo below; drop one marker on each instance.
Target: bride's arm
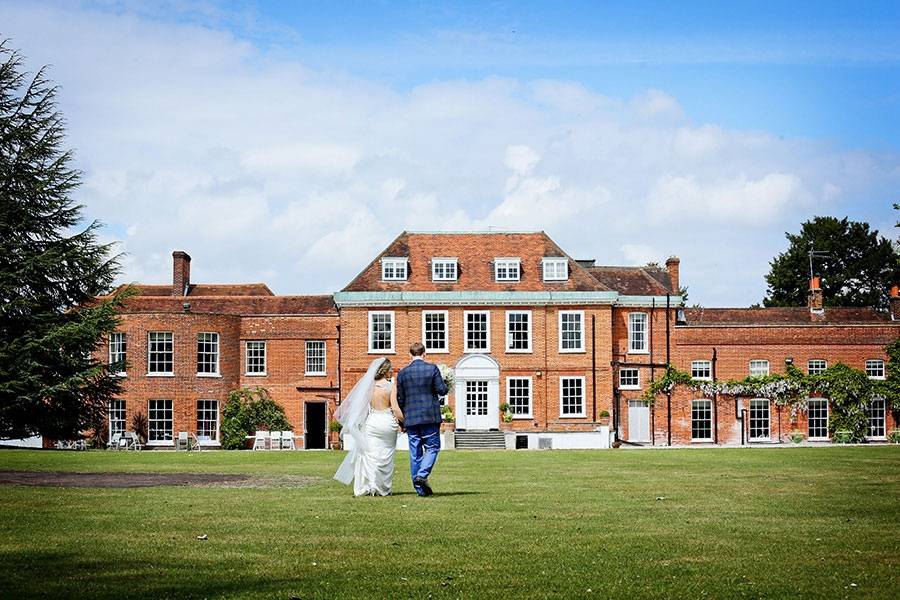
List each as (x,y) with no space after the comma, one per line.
(395,406)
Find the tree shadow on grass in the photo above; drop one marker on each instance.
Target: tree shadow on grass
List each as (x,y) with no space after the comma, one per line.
(438,494)
(34,573)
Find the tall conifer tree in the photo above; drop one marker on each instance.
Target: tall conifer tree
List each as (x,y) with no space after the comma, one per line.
(52,271)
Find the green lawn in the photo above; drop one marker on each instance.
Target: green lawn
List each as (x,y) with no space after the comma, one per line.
(734,523)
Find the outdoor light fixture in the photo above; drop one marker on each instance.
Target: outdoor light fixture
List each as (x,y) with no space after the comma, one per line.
(538,373)
(186,306)
(789,360)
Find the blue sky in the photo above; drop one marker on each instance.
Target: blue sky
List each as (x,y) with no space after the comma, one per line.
(262,136)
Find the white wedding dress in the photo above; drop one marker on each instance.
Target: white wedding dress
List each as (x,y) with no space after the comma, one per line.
(369,465)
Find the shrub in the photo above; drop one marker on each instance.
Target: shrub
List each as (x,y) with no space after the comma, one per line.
(842,436)
(894,436)
(796,436)
(335,426)
(447,414)
(139,426)
(604,414)
(248,410)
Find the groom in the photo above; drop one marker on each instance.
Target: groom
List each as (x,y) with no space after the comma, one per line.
(419,387)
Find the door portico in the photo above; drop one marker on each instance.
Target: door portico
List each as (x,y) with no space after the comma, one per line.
(477,392)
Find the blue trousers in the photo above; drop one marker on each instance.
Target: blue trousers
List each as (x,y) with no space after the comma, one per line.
(424,445)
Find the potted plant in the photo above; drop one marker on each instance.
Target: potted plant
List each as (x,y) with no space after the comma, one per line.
(507,414)
(448,423)
(894,436)
(334,429)
(604,417)
(796,436)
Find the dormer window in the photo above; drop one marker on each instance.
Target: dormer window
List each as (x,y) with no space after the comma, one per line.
(555,269)
(394,268)
(443,269)
(507,269)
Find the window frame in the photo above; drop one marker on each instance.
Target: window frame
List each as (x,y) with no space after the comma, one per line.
(873,361)
(530,348)
(324,359)
(637,371)
(562,413)
(170,421)
(708,368)
(446,315)
(816,360)
(218,354)
(750,418)
(371,332)
(809,435)
(556,261)
(631,338)
(507,261)
(218,422)
(395,262)
(882,417)
(528,378)
(111,410)
(758,360)
(121,346)
(581,333)
(444,261)
(466,348)
(265,358)
(150,354)
(710,417)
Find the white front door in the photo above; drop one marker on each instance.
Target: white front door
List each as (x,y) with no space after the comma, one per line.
(638,421)
(477,392)
(477,403)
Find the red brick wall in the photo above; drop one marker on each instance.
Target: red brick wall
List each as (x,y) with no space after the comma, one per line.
(286,346)
(545,364)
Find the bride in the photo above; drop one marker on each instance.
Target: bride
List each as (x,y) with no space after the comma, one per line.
(370,417)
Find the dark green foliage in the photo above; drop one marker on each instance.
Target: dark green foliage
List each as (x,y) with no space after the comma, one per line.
(890,387)
(859,270)
(140,426)
(247,410)
(849,392)
(51,270)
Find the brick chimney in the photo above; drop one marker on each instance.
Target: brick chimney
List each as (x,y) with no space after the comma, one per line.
(815,300)
(895,303)
(672,266)
(181,272)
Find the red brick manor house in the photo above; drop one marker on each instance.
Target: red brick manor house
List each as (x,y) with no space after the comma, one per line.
(566,346)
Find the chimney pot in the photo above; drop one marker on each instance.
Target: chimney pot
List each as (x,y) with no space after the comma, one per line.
(673,264)
(181,273)
(815,299)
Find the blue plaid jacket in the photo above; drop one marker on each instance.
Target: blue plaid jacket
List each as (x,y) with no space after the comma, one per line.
(419,387)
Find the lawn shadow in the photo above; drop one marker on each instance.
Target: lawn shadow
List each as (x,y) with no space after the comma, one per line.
(438,494)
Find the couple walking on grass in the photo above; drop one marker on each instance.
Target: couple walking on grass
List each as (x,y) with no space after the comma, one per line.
(376,409)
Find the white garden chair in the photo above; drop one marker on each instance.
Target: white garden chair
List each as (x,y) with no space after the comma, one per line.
(130,441)
(113,444)
(287,440)
(261,440)
(182,442)
(275,438)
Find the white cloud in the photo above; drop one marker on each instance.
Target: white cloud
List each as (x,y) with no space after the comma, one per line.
(263,167)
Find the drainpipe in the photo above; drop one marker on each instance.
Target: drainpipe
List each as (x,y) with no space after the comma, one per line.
(739,416)
(715,401)
(338,399)
(652,376)
(594,365)
(668,364)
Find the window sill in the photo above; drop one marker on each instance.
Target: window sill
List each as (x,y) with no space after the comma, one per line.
(575,351)
(432,351)
(160,374)
(630,388)
(702,441)
(701,378)
(477,351)
(765,440)
(315,374)
(581,416)
(121,375)
(161,443)
(512,351)
(873,378)
(255,374)
(638,352)
(211,375)
(382,351)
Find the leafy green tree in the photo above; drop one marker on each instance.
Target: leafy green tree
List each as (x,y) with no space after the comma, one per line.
(247,410)
(857,269)
(52,270)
